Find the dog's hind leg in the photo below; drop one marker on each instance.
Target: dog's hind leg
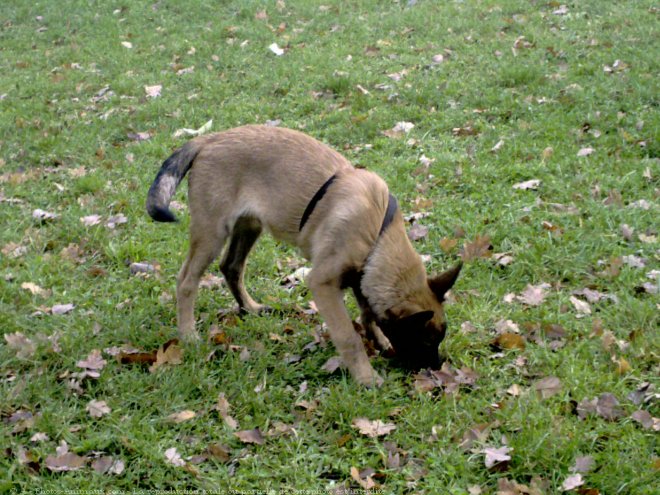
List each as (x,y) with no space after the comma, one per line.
(206,241)
(245,233)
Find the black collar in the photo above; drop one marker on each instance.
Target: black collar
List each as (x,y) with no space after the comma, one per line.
(392,206)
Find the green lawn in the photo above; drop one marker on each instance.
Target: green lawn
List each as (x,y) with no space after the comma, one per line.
(500,93)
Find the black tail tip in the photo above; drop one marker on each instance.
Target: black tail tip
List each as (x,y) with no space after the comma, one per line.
(161,214)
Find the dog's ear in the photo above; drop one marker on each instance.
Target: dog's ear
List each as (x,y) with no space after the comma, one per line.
(415,320)
(440,284)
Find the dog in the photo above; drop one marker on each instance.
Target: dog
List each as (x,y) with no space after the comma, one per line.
(344,220)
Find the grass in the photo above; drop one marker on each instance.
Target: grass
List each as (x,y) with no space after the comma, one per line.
(550,92)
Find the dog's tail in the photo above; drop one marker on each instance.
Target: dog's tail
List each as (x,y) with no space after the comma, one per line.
(169,177)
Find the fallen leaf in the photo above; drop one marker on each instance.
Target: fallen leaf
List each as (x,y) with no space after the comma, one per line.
(514,390)
(476,434)
(509,341)
(90,220)
(168,353)
(399,129)
(250,436)
(143,358)
(467,130)
(39,437)
(548,386)
(503,259)
(219,452)
(93,362)
(573,481)
(622,365)
(140,267)
(582,307)
(181,416)
(332,364)
(281,429)
(65,462)
(417,232)
(447,244)
(43,216)
(495,455)
(647,421)
(479,248)
(222,406)
(608,407)
(634,261)
(62,309)
(153,91)
(594,296)
(73,253)
(373,429)
(528,185)
(23,346)
(108,465)
(35,289)
(115,220)
(13,250)
(363,479)
(97,408)
(173,457)
(583,464)
(534,295)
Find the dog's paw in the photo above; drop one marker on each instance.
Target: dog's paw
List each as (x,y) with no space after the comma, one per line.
(372,380)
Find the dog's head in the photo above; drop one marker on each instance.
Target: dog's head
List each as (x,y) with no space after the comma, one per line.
(416,327)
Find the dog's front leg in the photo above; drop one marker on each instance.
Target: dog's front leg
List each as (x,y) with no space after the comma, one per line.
(329,298)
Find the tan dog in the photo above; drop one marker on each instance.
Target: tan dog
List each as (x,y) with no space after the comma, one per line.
(343,219)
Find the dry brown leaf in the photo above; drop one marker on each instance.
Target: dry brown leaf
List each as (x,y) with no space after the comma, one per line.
(447,244)
(108,465)
(23,346)
(332,364)
(168,353)
(97,408)
(181,416)
(583,464)
(153,91)
(219,452)
(534,295)
(250,436)
(647,421)
(582,307)
(92,362)
(479,248)
(548,386)
(496,455)
(173,457)
(67,461)
(373,429)
(35,289)
(573,481)
(532,184)
(222,406)
(509,341)
(62,309)
(417,232)
(363,479)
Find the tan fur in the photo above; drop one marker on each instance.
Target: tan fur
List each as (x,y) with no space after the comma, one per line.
(251,178)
